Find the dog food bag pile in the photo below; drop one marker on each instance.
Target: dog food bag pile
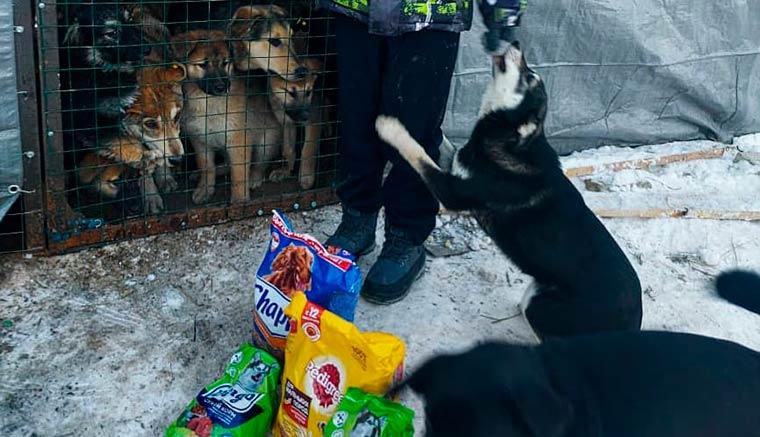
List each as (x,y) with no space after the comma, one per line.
(240,403)
(324,356)
(363,414)
(298,262)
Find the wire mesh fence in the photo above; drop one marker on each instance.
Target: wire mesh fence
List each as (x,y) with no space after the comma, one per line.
(163,115)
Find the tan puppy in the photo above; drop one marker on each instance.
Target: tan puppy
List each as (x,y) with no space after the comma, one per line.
(215,111)
(294,104)
(262,39)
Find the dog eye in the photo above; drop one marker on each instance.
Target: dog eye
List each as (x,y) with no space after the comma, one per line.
(275,42)
(150,124)
(111,33)
(293,93)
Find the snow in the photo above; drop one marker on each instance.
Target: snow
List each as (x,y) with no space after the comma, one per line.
(117,339)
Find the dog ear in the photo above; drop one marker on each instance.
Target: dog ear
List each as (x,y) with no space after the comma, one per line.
(176,72)
(279,12)
(182,45)
(72,36)
(246,22)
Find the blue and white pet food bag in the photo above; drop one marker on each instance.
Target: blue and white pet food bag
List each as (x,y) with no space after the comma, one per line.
(298,262)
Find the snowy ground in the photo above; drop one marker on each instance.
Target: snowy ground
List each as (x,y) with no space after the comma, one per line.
(118,339)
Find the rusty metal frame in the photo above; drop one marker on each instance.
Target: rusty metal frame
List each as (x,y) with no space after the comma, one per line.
(60,218)
(29,110)
(74,239)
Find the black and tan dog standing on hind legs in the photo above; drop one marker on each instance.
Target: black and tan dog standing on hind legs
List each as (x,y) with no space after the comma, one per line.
(511,179)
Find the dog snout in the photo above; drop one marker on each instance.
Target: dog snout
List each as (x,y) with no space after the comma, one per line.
(215,85)
(301,72)
(221,85)
(298,114)
(175,160)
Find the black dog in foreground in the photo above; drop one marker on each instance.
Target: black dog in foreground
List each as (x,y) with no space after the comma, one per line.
(621,384)
(510,178)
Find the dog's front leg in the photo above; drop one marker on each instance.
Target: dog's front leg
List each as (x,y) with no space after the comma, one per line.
(289,145)
(453,192)
(164,179)
(240,166)
(288,151)
(204,157)
(307,173)
(152,200)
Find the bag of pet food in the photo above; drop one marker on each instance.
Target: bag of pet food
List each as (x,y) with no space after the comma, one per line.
(361,414)
(298,262)
(324,356)
(240,403)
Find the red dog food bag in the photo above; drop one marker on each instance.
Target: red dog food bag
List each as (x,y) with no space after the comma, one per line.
(298,262)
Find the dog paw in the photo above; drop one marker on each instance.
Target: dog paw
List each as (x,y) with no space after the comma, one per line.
(279,174)
(391,130)
(154,204)
(167,183)
(307,181)
(202,194)
(240,197)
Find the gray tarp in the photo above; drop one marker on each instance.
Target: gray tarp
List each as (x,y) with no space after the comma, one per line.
(630,71)
(10,145)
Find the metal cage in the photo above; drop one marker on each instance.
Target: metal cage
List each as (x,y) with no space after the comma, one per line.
(104,131)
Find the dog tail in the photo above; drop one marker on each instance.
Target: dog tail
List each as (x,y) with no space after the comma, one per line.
(741,288)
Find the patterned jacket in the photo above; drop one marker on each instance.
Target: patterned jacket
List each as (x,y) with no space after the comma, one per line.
(394,17)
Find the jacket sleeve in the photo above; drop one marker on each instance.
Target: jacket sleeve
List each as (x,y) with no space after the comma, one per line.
(500,17)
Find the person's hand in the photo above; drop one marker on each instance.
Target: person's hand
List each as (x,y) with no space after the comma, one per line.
(500,17)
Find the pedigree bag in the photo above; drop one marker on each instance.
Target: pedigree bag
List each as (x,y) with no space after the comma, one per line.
(324,356)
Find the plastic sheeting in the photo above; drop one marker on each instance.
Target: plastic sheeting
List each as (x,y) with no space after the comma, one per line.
(10,143)
(629,72)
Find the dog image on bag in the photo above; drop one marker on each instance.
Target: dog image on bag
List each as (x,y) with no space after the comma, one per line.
(509,176)
(291,270)
(368,425)
(255,374)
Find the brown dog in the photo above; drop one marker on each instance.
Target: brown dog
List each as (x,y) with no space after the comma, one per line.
(150,139)
(295,105)
(215,111)
(262,40)
(291,270)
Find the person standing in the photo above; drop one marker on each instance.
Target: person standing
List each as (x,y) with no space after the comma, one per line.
(395,57)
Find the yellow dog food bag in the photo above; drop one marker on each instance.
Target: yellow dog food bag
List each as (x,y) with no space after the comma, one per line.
(324,356)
